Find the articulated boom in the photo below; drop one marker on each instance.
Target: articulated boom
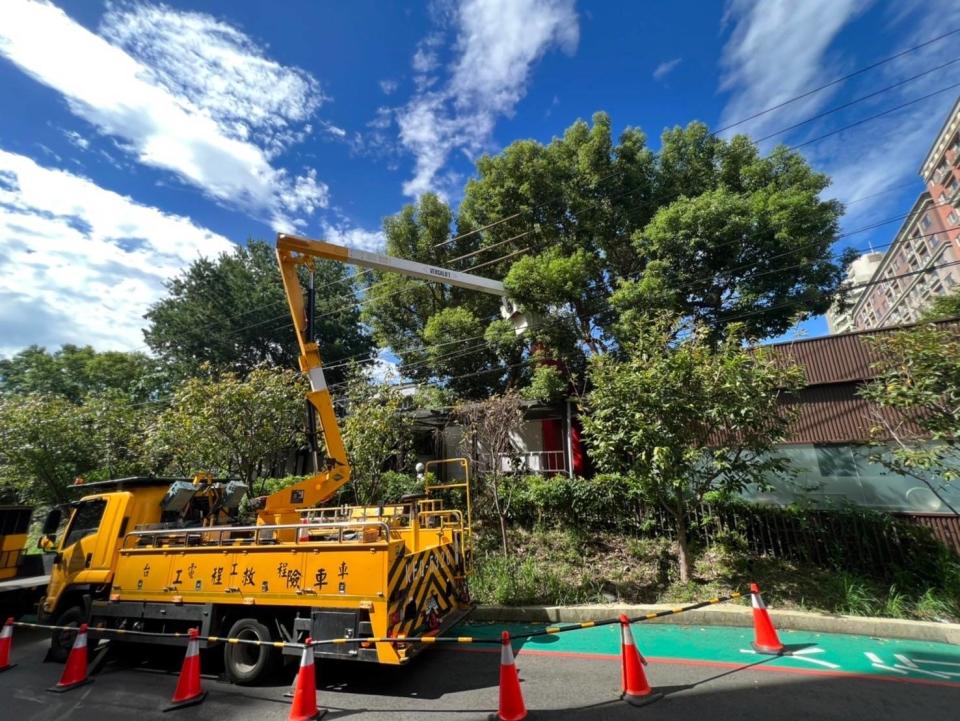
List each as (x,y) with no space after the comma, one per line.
(292,252)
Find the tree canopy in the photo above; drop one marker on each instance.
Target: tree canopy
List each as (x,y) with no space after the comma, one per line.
(588,234)
(241,427)
(231,313)
(74,372)
(944,306)
(46,442)
(918,377)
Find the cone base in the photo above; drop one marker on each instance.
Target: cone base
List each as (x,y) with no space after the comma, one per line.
(321,712)
(7,667)
(641,700)
(769,650)
(185,702)
(70,686)
(498,717)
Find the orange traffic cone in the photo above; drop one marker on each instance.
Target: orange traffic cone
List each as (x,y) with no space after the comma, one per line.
(75,670)
(634,687)
(512,707)
(188,691)
(764,634)
(6,644)
(304,707)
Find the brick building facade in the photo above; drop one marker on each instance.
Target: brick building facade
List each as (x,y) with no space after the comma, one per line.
(926,249)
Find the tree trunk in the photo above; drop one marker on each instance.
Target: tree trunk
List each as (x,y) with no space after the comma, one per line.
(683,548)
(501,514)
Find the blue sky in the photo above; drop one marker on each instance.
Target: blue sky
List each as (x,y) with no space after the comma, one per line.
(136,137)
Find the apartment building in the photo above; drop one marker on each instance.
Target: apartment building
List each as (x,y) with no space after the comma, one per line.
(839,318)
(922,261)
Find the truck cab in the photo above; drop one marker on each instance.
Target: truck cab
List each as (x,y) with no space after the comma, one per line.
(86,549)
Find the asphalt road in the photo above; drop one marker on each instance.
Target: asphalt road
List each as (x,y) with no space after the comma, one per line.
(462,684)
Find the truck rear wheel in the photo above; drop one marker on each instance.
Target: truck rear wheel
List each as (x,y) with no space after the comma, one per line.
(245,663)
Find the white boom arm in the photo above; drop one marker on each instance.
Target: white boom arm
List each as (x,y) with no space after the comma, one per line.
(411,268)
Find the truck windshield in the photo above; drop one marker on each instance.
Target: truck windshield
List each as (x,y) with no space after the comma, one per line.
(86,520)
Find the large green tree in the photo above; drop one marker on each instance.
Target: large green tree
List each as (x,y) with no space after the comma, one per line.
(231,313)
(599,231)
(687,417)
(242,427)
(439,331)
(46,442)
(746,241)
(73,372)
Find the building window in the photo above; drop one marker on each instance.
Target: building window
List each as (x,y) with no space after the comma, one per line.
(925,221)
(953,217)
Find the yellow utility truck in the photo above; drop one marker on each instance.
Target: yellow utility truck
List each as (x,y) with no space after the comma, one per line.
(22,579)
(148,554)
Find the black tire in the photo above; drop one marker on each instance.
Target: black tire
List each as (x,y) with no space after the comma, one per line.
(245,663)
(61,641)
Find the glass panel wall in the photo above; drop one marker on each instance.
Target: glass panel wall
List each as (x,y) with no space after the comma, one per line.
(831,475)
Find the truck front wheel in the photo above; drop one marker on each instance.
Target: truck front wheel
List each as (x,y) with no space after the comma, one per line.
(245,663)
(61,639)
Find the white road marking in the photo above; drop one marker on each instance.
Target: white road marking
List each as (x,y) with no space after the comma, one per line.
(878,663)
(937,663)
(798,656)
(905,660)
(914,669)
(817,661)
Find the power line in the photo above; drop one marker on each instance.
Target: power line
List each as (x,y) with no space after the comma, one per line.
(477,230)
(866,284)
(839,80)
(875,116)
(857,100)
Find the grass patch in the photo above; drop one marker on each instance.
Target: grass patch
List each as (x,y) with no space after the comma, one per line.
(564,567)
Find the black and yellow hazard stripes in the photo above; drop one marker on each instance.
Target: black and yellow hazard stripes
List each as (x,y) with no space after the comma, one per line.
(423,589)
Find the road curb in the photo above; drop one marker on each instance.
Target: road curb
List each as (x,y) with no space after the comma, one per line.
(730,615)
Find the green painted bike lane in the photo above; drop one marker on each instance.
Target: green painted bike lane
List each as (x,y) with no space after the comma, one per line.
(812,653)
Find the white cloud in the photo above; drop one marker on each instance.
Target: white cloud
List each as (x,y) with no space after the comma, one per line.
(218,69)
(777,50)
(81,264)
(183,92)
(389,87)
(383,369)
(665,68)
(780,50)
(372,240)
(497,44)
(76,139)
(333,130)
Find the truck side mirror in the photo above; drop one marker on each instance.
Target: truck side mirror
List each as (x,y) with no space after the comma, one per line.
(48,534)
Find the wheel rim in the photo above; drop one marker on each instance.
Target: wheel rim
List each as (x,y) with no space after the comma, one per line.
(246,656)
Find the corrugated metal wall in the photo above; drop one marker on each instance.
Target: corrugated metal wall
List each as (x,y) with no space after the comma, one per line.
(836,414)
(945,528)
(829,410)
